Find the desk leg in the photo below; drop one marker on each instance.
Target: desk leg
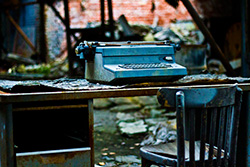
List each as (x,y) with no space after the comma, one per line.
(91,131)
(6,136)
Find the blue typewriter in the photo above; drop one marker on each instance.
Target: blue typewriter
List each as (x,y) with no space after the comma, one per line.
(130,62)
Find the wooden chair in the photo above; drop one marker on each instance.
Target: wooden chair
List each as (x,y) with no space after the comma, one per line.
(207,127)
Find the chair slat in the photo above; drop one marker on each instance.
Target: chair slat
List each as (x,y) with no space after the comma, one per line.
(235,127)
(227,135)
(220,134)
(203,135)
(212,136)
(180,110)
(192,137)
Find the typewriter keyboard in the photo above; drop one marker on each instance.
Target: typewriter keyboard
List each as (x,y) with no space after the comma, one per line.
(144,65)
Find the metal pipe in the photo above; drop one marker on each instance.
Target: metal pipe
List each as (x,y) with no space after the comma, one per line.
(209,37)
(111,20)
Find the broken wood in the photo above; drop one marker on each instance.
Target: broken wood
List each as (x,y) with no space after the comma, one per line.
(20,31)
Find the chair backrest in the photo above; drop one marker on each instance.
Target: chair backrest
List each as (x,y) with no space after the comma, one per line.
(213,114)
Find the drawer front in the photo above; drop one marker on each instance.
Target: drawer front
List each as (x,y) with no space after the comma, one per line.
(55,158)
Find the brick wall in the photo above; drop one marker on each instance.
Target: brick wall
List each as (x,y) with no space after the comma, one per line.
(136,11)
(84,11)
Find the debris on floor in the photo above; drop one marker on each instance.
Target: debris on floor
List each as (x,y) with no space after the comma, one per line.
(132,128)
(129,159)
(161,133)
(119,135)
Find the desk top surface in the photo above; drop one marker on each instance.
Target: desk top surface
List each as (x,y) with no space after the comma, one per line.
(67,89)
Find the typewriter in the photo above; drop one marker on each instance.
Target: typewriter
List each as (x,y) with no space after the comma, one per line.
(130,62)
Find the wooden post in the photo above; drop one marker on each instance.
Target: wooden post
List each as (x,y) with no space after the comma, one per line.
(245,50)
(67,25)
(41,34)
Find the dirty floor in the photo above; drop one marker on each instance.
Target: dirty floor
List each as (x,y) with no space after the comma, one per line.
(112,148)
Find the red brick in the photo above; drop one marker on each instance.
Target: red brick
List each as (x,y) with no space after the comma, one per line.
(135,11)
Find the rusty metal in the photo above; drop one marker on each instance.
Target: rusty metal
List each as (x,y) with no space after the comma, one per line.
(68,157)
(193,57)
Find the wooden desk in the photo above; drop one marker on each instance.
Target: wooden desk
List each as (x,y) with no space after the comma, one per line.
(8,100)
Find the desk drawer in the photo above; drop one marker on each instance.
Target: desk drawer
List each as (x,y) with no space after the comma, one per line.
(79,157)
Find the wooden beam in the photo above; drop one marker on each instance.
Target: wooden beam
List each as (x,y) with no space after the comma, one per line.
(24,36)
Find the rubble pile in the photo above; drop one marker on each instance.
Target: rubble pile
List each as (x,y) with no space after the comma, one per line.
(183,32)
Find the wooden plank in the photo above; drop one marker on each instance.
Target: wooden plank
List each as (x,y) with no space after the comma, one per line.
(20,31)
(212,133)
(192,137)
(227,135)
(180,110)
(220,134)
(203,136)
(104,93)
(235,127)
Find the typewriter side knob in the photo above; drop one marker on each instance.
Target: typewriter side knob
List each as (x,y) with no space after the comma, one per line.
(86,51)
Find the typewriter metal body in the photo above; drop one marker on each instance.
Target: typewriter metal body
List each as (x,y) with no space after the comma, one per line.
(130,62)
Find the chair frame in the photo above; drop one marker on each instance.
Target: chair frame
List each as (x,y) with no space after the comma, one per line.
(224,102)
